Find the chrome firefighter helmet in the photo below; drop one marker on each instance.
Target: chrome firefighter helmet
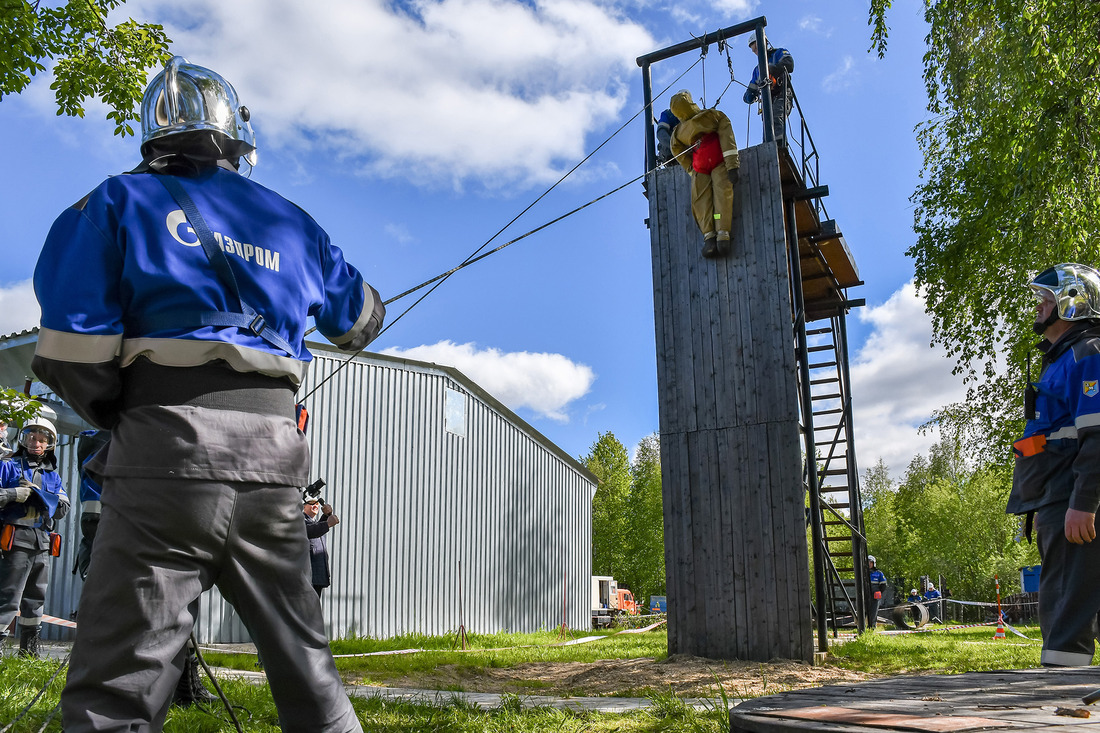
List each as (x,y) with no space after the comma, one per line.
(1075,288)
(39,426)
(871,558)
(186,97)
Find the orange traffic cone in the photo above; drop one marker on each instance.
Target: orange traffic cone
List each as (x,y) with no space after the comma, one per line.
(1000,628)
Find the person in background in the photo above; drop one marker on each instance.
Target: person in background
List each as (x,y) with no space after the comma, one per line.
(32,497)
(932,594)
(665,125)
(877,581)
(319,520)
(914,596)
(780,68)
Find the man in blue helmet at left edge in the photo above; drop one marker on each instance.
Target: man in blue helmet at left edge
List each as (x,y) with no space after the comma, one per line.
(195,378)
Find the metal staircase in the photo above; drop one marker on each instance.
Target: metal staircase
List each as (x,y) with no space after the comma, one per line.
(842,549)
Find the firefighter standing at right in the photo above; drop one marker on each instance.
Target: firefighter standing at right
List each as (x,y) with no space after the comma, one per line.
(1056,482)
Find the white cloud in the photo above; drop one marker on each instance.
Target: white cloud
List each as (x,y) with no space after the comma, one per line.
(543,383)
(898,381)
(437,91)
(399,233)
(18,307)
(843,78)
(813,24)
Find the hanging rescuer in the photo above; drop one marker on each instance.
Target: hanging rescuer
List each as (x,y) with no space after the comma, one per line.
(714,167)
(1056,478)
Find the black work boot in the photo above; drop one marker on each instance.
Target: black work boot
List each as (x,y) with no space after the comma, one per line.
(190,689)
(723,247)
(28,641)
(710,248)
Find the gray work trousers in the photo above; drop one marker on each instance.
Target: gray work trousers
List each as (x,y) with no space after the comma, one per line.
(24,575)
(160,544)
(1069,590)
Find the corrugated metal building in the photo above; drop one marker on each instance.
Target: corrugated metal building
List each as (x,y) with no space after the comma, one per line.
(453,509)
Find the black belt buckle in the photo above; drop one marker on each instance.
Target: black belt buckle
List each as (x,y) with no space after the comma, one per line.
(258,325)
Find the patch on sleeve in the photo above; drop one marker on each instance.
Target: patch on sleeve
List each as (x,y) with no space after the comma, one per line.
(1090,388)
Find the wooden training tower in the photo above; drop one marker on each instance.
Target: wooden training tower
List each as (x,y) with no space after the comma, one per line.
(746,390)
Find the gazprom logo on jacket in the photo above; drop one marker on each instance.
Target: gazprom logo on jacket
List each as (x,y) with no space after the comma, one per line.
(1090,388)
(181,231)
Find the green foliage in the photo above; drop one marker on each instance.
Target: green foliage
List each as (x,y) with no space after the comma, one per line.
(948,519)
(627,515)
(16,407)
(93,60)
(1010,183)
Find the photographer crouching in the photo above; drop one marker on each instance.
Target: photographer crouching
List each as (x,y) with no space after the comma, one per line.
(319,520)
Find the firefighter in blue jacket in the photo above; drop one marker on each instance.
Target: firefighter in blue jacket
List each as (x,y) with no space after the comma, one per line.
(780,68)
(32,497)
(195,378)
(1056,480)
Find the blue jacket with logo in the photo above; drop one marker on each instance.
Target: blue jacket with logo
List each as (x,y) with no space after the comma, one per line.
(1058,459)
(48,500)
(125,256)
(779,60)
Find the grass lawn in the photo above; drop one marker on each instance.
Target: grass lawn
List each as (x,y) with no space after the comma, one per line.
(876,655)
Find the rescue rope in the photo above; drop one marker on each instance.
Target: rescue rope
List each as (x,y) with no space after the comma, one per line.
(476,254)
(23,713)
(214,681)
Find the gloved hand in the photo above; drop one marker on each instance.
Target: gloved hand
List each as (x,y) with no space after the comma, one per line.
(22,493)
(333,520)
(735,176)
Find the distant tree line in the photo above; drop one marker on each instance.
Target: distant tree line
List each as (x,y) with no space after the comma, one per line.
(946,517)
(628,537)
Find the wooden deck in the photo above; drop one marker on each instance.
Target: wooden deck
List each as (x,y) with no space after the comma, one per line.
(1028,700)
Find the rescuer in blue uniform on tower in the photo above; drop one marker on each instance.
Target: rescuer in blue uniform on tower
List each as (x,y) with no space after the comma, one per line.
(778,81)
(194,371)
(32,497)
(1056,481)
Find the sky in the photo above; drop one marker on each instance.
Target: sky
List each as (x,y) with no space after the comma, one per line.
(414,131)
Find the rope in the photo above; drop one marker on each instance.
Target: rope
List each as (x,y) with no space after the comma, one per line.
(473,257)
(214,681)
(41,692)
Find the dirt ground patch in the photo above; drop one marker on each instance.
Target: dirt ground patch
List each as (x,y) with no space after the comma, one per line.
(686,676)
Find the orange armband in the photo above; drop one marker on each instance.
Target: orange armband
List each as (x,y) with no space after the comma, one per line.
(1030,446)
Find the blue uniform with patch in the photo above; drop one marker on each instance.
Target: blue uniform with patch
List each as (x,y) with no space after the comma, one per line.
(199,479)
(1057,467)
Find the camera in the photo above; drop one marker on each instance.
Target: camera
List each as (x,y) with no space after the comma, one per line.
(313,491)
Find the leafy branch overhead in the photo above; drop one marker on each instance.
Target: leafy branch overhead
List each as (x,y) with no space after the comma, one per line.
(91,59)
(1010,183)
(16,408)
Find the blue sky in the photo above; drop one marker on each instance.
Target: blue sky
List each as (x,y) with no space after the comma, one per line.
(413,131)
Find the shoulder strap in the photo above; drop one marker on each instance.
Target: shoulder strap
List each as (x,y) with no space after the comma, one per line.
(248,319)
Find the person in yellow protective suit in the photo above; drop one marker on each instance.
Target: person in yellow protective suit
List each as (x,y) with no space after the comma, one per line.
(713,166)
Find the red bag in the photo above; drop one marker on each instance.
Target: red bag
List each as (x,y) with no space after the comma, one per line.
(878,595)
(708,155)
(7,537)
(55,544)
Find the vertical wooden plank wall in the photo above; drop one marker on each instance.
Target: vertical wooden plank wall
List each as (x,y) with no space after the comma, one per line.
(731,465)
